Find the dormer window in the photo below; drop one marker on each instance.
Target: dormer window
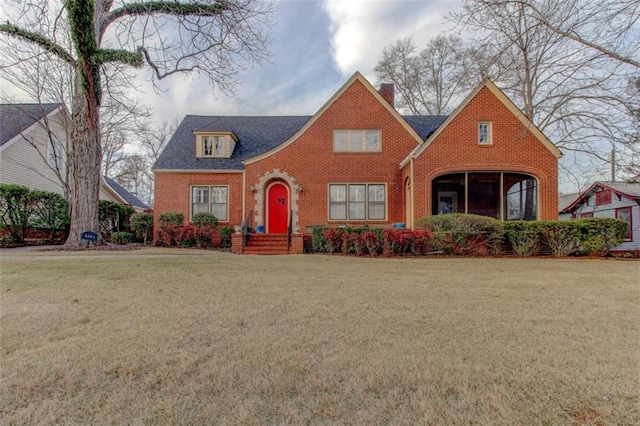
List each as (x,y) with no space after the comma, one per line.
(215,145)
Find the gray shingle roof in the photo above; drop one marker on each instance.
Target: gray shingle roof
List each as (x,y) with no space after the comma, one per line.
(15,118)
(256,135)
(130,199)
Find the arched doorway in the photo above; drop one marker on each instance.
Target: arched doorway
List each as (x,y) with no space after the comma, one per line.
(277,208)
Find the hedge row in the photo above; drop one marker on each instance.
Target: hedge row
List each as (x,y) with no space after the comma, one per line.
(459,234)
(203,233)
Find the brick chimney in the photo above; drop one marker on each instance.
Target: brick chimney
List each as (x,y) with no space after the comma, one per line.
(387,90)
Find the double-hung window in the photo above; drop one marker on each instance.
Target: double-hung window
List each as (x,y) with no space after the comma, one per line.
(356,141)
(210,199)
(357,201)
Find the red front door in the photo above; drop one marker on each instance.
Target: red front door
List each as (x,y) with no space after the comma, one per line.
(277,209)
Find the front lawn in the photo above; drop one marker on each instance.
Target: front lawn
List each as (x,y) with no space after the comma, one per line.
(204,337)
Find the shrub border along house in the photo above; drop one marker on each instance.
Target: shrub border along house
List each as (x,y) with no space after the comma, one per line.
(471,235)
(203,233)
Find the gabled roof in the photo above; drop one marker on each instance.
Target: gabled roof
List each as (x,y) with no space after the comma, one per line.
(356,77)
(261,135)
(126,196)
(17,118)
(625,189)
(490,85)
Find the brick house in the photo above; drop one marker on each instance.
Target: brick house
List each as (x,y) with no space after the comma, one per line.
(358,161)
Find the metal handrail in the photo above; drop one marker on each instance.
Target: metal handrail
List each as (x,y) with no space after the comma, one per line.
(246,229)
(289,230)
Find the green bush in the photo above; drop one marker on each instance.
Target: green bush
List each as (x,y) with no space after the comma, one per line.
(121,238)
(201,220)
(523,237)
(318,240)
(17,204)
(142,225)
(562,238)
(114,217)
(464,233)
(225,236)
(599,235)
(170,219)
(51,211)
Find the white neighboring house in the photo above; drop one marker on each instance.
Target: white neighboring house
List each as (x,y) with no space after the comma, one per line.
(619,200)
(33,149)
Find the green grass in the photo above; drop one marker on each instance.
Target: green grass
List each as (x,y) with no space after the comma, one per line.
(184,336)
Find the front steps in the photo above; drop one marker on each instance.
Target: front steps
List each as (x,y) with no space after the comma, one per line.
(267,244)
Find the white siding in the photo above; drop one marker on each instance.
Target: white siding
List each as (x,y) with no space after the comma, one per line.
(609,210)
(21,162)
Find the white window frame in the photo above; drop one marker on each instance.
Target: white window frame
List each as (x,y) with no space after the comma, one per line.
(485,137)
(353,144)
(218,146)
(209,200)
(348,202)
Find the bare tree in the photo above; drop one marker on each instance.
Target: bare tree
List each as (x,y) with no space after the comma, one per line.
(209,37)
(610,27)
(153,140)
(433,80)
(575,94)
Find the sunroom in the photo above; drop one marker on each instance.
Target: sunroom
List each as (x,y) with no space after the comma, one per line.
(501,195)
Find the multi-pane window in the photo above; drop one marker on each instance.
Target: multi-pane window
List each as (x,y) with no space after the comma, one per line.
(357,201)
(484,133)
(356,141)
(213,146)
(210,199)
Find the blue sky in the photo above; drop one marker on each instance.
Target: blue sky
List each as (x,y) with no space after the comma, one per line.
(316,45)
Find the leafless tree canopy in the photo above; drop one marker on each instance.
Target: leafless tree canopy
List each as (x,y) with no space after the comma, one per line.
(434,79)
(574,92)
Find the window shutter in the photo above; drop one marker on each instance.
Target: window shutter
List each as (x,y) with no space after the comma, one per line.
(198,146)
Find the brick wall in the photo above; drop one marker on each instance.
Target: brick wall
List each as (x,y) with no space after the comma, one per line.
(172,193)
(514,149)
(310,161)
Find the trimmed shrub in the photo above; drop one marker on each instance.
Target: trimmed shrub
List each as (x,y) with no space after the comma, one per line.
(114,217)
(201,220)
(142,225)
(225,236)
(121,238)
(562,238)
(523,237)
(170,219)
(464,233)
(17,204)
(599,235)
(318,240)
(51,212)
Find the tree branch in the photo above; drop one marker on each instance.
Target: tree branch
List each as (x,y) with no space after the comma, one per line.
(164,7)
(570,35)
(35,38)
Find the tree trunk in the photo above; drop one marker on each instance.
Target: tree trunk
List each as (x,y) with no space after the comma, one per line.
(86,165)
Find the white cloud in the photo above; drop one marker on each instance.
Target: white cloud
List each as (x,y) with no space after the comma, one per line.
(361,29)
